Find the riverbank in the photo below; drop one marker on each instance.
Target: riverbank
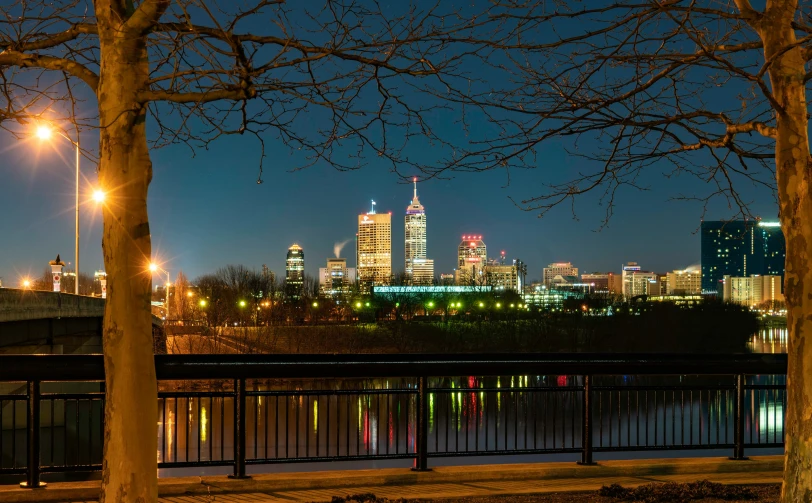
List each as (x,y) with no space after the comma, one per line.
(663,330)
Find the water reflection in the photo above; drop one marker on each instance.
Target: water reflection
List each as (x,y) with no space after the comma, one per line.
(769,340)
(471,414)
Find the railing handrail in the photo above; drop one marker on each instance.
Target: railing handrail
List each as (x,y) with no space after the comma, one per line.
(91,367)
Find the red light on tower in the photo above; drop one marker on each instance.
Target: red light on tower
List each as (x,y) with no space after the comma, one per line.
(473,244)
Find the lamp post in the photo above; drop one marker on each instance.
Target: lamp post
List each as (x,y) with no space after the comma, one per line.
(44,133)
(153,267)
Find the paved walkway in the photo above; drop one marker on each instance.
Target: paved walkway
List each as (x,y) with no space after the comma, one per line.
(441,483)
(452,491)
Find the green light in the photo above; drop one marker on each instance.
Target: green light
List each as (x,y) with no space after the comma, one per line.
(512,305)
(431,304)
(397,304)
(498,305)
(481,304)
(367,304)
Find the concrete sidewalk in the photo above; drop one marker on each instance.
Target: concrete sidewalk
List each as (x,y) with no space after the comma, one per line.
(441,482)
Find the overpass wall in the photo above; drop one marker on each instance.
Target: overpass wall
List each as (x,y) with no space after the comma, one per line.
(19,305)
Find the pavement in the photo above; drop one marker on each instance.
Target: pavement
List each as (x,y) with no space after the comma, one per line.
(439,483)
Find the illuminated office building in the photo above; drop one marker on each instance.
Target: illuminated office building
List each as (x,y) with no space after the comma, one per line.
(559,272)
(374,248)
(472,256)
(740,249)
(294,271)
(419,269)
(336,279)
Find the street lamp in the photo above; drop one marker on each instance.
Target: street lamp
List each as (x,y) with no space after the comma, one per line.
(153,267)
(44,133)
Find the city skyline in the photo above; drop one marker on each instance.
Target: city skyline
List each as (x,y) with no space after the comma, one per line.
(201,223)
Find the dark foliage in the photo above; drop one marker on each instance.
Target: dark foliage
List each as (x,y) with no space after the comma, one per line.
(672,492)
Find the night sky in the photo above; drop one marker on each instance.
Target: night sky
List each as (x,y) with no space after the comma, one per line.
(208,211)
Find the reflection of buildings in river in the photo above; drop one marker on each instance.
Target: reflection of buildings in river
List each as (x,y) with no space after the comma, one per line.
(769,340)
(771,421)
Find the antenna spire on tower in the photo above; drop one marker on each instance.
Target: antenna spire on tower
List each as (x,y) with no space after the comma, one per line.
(373,207)
(415,187)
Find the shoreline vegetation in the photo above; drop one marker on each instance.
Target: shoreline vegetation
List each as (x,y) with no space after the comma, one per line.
(708,327)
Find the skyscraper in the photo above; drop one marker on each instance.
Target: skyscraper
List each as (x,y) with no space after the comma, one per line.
(419,269)
(472,256)
(374,248)
(294,272)
(740,248)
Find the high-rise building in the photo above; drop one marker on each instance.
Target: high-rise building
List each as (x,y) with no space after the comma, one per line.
(294,272)
(506,276)
(607,282)
(472,255)
(336,278)
(419,269)
(753,290)
(739,249)
(374,248)
(559,272)
(639,282)
(684,282)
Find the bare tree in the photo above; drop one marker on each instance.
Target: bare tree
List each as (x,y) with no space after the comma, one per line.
(194,71)
(714,89)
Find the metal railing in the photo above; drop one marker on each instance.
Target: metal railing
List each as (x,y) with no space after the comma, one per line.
(239,410)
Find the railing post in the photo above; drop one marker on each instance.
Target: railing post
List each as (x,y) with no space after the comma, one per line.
(421,462)
(586,435)
(738,428)
(33,438)
(239,430)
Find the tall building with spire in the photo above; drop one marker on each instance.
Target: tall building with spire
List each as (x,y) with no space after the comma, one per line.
(419,269)
(294,272)
(374,248)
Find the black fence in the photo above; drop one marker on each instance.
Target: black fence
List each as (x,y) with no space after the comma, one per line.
(262,409)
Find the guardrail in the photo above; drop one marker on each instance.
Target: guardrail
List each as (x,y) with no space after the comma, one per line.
(239,410)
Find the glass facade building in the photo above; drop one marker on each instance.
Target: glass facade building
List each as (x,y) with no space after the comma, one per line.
(740,249)
(294,272)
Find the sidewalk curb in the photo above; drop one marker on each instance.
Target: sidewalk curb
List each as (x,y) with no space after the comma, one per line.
(276,482)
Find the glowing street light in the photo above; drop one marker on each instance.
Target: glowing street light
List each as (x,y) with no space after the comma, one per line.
(153,268)
(315,304)
(242,303)
(358,305)
(44,132)
(202,303)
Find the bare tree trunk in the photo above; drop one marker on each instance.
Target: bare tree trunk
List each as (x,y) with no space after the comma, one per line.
(129,472)
(794,176)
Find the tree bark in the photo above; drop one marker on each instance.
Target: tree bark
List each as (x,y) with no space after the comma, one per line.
(129,472)
(794,179)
